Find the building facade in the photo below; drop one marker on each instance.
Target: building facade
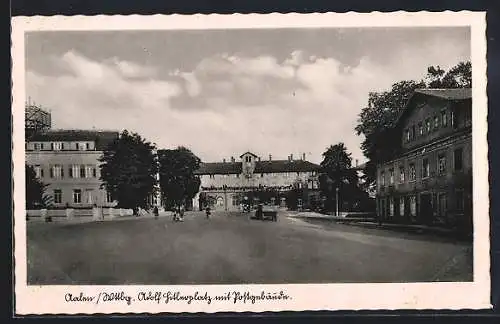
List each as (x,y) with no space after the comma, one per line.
(430,180)
(229,184)
(68,162)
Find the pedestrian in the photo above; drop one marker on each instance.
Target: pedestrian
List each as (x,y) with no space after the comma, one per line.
(207,211)
(181,213)
(155,211)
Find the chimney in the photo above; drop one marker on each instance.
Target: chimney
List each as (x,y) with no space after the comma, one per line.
(232,158)
(291,157)
(258,158)
(223,160)
(303,156)
(356,163)
(270,157)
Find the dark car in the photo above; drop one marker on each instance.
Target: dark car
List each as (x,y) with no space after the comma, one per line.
(266,213)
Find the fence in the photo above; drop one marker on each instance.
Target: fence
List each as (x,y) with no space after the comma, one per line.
(95,213)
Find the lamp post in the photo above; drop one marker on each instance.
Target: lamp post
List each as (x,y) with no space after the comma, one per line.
(337,201)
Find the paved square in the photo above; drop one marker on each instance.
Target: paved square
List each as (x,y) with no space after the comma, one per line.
(232,249)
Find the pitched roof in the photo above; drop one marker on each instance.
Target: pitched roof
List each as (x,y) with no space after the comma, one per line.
(101,138)
(446,94)
(274,166)
(248,153)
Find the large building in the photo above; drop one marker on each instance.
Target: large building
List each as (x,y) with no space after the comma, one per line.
(227,185)
(430,180)
(67,161)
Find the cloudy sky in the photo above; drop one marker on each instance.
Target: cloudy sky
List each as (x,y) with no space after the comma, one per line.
(224,92)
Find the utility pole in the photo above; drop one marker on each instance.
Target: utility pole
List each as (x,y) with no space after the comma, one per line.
(337,201)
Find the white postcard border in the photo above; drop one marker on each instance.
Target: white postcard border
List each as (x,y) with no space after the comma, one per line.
(473,295)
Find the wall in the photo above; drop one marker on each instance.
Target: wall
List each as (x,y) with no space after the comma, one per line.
(429,109)
(47,158)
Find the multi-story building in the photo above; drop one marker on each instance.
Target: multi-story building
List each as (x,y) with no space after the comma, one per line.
(229,184)
(67,161)
(430,180)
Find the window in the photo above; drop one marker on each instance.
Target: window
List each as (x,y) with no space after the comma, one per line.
(81,146)
(57,171)
(420,129)
(382,178)
(36,146)
(425,168)
(77,196)
(38,171)
(262,175)
(82,171)
(444,118)
(109,197)
(391,176)
(87,146)
(413,205)
(57,146)
(427,125)
(458,159)
(436,122)
(74,171)
(413,173)
(42,146)
(212,176)
(459,199)
(401,174)
(391,207)
(57,196)
(401,206)
(454,122)
(88,196)
(407,135)
(441,164)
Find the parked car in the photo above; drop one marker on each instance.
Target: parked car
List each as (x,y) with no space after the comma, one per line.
(266,213)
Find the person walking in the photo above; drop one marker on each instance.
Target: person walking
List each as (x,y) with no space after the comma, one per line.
(207,212)
(181,213)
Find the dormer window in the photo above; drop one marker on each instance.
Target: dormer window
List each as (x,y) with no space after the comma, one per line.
(407,135)
(57,146)
(428,125)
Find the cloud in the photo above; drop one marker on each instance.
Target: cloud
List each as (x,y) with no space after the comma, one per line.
(230,103)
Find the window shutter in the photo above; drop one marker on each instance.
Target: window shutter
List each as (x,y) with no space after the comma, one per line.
(82,171)
(71,171)
(41,172)
(62,146)
(51,172)
(62,172)
(94,172)
(51,146)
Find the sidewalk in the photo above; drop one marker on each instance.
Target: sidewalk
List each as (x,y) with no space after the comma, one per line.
(372,223)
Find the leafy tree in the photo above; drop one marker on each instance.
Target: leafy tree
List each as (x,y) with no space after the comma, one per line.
(128,170)
(381,141)
(178,183)
(459,76)
(35,191)
(337,172)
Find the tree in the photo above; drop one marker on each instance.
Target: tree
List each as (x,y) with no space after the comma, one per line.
(178,183)
(35,191)
(376,121)
(128,170)
(459,76)
(337,173)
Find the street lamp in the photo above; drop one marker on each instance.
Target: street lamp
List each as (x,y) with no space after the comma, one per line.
(337,201)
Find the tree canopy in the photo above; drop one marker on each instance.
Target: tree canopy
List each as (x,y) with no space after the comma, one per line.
(35,191)
(178,183)
(129,169)
(376,120)
(337,172)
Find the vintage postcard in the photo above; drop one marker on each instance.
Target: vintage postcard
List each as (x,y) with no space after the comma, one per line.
(280,162)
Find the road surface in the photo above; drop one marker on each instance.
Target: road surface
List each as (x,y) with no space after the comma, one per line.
(230,248)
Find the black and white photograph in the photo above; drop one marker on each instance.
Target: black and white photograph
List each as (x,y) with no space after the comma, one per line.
(231,154)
